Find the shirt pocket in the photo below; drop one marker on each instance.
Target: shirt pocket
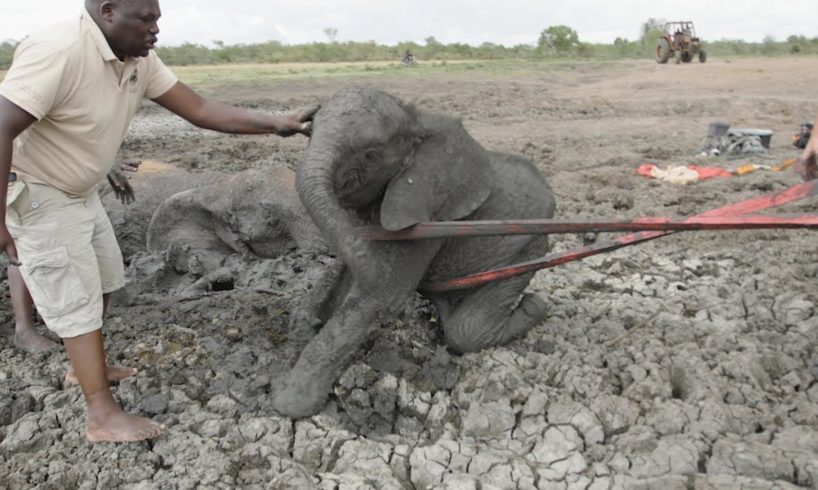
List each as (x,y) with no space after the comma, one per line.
(54,284)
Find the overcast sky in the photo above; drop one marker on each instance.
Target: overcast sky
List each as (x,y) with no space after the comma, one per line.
(506,22)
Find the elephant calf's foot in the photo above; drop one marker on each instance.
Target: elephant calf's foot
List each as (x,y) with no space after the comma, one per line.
(474,334)
(531,310)
(297,399)
(532,306)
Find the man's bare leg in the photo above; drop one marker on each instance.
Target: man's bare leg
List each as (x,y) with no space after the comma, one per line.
(25,335)
(114,373)
(107,422)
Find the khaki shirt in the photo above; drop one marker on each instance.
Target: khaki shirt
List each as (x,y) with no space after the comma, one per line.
(83,98)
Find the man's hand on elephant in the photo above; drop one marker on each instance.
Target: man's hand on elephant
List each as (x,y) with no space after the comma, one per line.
(119,181)
(7,245)
(296,123)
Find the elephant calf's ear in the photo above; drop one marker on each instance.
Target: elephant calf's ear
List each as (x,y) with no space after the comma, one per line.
(406,203)
(449,179)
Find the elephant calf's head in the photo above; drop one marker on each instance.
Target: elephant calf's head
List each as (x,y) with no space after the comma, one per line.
(361,139)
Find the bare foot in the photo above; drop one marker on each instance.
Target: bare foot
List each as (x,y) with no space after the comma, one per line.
(115,373)
(30,341)
(123,427)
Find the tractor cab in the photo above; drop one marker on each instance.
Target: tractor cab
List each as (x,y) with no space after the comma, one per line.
(681,42)
(681,33)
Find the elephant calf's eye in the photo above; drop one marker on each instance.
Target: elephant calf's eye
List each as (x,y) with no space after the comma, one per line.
(372,156)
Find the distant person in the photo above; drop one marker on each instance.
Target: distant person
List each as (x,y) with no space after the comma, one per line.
(807,164)
(408,58)
(678,40)
(65,106)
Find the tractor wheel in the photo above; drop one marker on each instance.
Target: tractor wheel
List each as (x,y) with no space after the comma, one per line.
(687,57)
(662,51)
(702,56)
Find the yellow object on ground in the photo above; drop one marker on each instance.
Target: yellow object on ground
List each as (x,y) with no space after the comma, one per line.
(746,169)
(785,164)
(153,166)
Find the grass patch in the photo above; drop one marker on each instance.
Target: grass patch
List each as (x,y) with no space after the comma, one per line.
(211,76)
(206,76)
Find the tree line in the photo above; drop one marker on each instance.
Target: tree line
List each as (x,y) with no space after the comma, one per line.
(555,42)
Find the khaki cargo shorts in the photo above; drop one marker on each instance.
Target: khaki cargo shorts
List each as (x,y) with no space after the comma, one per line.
(69,255)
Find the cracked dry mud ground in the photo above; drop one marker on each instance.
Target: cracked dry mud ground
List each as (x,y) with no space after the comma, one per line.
(686,362)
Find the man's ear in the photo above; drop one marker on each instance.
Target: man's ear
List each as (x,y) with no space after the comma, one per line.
(106,10)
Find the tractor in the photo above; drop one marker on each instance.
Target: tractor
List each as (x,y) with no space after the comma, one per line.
(680,41)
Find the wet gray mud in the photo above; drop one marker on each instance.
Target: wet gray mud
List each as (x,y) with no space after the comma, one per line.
(685,362)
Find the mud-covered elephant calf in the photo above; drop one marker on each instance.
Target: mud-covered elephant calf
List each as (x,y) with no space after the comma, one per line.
(255,213)
(373,159)
(196,220)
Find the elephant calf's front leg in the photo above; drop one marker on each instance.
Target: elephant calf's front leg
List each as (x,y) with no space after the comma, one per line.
(308,384)
(317,304)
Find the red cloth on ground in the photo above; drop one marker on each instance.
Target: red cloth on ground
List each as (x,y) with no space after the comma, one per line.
(646,169)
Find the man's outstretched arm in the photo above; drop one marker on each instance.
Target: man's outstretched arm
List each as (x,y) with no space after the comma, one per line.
(208,114)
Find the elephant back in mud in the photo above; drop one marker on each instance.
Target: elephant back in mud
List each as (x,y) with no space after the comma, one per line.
(253,213)
(152,185)
(375,160)
(189,223)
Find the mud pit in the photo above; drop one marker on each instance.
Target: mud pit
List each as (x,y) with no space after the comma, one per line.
(686,362)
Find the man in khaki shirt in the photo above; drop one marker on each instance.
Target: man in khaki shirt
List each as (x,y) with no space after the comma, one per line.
(65,106)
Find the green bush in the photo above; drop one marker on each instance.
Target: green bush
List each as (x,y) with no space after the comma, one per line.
(555,42)
(559,40)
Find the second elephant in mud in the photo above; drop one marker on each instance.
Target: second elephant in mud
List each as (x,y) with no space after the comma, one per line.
(373,159)
(253,213)
(192,222)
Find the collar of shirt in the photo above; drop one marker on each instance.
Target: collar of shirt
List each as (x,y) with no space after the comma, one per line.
(99,38)
(124,69)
